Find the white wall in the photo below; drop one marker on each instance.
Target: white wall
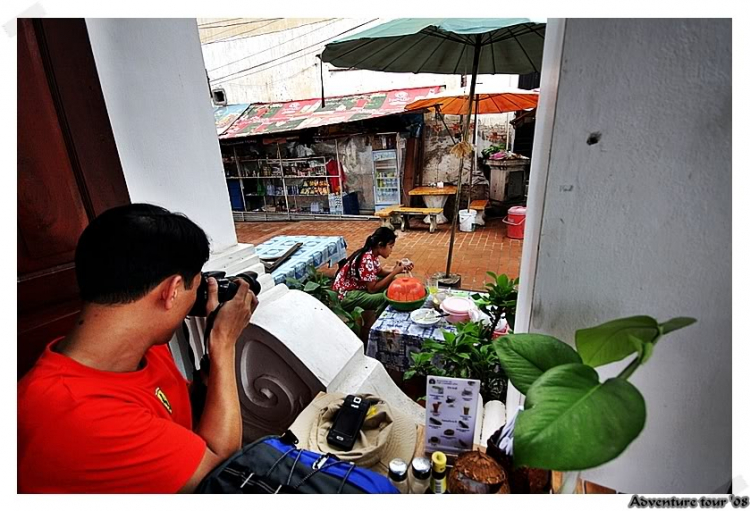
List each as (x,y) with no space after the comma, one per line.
(640,223)
(292,71)
(282,65)
(154,85)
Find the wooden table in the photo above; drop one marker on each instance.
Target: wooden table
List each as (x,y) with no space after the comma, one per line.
(435,197)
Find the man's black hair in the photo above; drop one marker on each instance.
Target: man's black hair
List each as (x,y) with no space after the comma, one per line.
(127,251)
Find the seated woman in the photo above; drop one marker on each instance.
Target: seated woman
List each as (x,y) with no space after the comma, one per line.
(361,281)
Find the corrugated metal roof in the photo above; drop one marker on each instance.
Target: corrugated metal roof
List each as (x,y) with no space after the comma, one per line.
(224,116)
(264,118)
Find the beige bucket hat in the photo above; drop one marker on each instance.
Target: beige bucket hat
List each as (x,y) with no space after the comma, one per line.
(386,433)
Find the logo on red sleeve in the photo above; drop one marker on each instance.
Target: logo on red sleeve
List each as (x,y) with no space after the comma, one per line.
(161,396)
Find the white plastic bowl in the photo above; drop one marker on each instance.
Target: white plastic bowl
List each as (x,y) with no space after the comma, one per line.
(458,305)
(425,317)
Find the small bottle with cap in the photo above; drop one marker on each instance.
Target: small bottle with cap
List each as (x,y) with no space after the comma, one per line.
(419,477)
(439,463)
(397,474)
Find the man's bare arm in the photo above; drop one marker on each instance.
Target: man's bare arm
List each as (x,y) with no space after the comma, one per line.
(221,422)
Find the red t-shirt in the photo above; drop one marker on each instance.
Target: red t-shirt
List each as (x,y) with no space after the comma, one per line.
(346,279)
(81,430)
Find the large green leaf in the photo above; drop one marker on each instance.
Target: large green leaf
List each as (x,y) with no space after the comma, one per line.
(644,349)
(573,422)
(611,341)
(311,286)
(333,296)
(502,281)
(449,337)
(525,357)
(675,324)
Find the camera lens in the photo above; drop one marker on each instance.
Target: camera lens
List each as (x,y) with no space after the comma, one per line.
(227,289)
(252,279)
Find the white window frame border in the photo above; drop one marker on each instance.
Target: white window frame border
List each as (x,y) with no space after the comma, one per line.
(540,159)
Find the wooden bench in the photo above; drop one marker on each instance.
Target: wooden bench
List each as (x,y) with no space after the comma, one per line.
(479,206)
(385,215)
(403,213)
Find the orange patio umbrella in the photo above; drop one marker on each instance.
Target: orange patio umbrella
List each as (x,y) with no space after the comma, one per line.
(486,101)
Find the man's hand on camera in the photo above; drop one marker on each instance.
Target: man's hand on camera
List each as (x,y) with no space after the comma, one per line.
(234,315)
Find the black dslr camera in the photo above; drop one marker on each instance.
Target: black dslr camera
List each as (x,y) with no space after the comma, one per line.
(227,288)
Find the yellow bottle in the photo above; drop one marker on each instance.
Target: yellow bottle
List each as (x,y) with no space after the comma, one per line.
(437,483)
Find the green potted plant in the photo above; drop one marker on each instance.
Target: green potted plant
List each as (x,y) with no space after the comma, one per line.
(500,299)
(469,352)
(318,286)
(571,420)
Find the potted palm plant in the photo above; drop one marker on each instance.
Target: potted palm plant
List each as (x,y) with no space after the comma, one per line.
(571,420)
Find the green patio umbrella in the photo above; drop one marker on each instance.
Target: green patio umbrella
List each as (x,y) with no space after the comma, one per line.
(445,46)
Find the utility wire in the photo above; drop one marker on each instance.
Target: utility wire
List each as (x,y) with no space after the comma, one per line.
(205,26)
(270,22)
(316,45)
(277,80)
(280,44)
(250,73)
(219,21)
(235,37)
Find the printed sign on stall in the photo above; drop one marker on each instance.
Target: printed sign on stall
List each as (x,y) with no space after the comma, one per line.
(451,414)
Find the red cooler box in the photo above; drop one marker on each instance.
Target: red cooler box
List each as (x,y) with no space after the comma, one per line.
(516,221)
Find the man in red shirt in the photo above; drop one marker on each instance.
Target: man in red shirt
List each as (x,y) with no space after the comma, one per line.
(105,409)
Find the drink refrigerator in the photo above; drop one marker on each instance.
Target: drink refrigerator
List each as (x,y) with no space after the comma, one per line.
(386,178)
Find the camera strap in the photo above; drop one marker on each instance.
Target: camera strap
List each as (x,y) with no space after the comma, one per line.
(207,334)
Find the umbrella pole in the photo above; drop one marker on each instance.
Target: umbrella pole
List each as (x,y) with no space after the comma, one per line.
(473,154)
(322,87)
(475,69)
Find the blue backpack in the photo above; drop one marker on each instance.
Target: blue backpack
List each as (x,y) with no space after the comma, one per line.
(274,465)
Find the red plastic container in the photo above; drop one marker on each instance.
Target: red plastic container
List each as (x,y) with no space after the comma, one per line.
(516,221)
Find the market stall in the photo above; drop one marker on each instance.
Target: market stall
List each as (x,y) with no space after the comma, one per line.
(313,160)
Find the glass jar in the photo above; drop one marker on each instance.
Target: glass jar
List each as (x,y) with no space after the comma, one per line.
(397,474)
(419,476)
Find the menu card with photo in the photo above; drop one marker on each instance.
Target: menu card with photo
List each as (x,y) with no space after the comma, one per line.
(450,414)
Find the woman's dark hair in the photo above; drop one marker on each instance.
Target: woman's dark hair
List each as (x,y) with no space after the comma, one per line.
(380,238)
(127,251)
